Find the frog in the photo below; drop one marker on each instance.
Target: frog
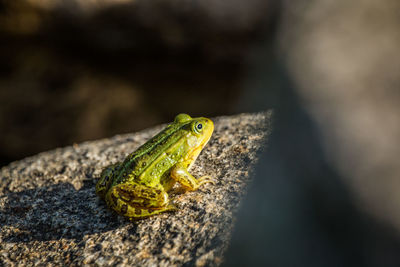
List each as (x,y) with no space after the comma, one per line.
(139,186)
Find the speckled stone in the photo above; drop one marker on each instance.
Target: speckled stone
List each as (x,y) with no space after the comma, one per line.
(49,212)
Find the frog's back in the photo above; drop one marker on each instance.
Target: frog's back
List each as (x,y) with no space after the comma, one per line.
(138,161)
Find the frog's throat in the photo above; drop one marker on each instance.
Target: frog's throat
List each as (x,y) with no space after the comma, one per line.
(195,153)
(192,155)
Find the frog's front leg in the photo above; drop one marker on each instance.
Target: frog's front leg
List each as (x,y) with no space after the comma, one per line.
(181,174)
(138,201)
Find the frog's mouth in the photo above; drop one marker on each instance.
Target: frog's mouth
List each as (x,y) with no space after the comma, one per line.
(203,140)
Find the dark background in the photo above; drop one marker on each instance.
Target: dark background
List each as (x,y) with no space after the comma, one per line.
(326,192)
(75,71)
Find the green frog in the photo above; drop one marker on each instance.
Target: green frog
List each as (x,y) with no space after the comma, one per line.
(138,187)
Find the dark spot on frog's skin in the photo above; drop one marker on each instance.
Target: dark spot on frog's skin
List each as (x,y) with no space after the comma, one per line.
(152,195)
(124,209)
(125,198)
(144,164)
(146,203)
(138,211)
(122,190)
(158,191)
(114,199)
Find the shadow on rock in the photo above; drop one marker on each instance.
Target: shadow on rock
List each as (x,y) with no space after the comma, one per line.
(55,212)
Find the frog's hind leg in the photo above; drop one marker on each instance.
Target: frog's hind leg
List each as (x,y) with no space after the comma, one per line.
(105,180)
(138,201)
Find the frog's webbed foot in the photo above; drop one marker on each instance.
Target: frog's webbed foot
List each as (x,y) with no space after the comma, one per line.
(138,201)
(180,174)
(142,213)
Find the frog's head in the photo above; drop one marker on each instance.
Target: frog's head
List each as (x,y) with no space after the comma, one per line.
(200,131)
(105,181)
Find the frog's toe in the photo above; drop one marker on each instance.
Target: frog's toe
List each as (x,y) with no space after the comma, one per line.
(171,207)
(206,180)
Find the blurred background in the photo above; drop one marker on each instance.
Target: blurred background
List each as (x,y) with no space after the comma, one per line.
(81,70)
(74,70)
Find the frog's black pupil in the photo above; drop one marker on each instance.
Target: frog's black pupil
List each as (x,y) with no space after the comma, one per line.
(199,126)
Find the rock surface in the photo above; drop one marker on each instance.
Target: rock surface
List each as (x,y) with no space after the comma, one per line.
(49,212)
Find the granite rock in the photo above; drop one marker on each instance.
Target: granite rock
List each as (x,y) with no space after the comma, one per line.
(49,212)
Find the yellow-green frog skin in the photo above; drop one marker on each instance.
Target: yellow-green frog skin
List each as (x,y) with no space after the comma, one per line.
(138,187)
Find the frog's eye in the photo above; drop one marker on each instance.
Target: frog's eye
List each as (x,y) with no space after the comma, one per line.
(198,127)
